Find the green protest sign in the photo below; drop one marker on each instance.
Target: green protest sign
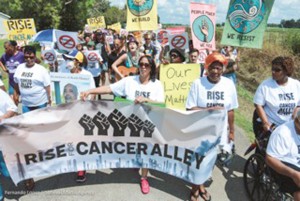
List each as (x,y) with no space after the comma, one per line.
(246,22)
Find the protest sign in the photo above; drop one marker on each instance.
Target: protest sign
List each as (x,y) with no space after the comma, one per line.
(66,40)
(203,19)
(21,30)
(176,30)
(163,36)
(177,79)
(141,15)
(66,87)
(109,39)
(117,27)
(246,23)
(92,57)
(96,22)
(179,41)
(95,135)
(49,56)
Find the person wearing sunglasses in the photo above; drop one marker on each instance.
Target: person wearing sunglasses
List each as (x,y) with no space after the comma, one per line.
(176,56)
(142,88)
(276,97)
(33,85)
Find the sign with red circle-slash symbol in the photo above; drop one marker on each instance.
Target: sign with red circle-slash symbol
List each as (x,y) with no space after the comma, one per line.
(49,56)
(178,42)
(67,41)
(92,57)
(202,56)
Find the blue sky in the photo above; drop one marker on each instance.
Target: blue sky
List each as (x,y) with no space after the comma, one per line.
(177,11)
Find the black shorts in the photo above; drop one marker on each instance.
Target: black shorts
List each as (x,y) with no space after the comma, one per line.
(286,183)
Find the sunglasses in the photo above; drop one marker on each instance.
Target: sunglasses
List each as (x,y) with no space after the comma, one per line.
(147,38)
(147,65)
(174,55)
(29,57)
(276,69)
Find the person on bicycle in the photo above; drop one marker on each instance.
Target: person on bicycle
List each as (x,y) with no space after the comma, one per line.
(277,97)
(283,156)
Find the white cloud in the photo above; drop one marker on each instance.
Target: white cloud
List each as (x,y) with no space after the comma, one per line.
(177,11)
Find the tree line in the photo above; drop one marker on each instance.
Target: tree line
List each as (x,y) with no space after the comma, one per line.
(290,23)
(68,15)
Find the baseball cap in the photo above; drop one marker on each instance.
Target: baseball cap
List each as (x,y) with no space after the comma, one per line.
(74,54)
(211,58)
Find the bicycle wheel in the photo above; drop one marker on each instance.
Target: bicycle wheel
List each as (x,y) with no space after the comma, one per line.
(255,178)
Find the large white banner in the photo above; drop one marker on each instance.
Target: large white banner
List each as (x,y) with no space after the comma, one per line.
(105,134)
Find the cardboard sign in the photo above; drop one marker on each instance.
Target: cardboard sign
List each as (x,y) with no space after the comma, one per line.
(20,29)
(177,79)
(179,41)
(66,40)
(96,22)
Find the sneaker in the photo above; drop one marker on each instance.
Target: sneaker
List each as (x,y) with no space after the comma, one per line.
(145,187)
(81,177)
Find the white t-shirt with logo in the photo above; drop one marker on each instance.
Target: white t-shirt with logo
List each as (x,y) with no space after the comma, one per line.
(206,94)
(6,103)
(131,87)
(32,82)
(284,144)
(278,101)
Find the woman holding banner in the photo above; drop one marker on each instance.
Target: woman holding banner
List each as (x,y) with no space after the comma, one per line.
(142,88)
(215,92)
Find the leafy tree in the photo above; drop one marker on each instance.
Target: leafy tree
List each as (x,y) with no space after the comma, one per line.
(44,12)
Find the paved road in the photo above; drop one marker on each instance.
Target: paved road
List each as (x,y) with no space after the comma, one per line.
(123,184)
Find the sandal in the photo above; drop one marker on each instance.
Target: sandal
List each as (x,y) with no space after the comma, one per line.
(205,195)
(29,184)
(194,195)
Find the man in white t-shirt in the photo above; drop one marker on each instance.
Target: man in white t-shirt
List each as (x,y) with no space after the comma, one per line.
(283,155)
(32,83)
(7,110)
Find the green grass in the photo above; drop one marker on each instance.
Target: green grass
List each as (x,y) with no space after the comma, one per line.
(243,115)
